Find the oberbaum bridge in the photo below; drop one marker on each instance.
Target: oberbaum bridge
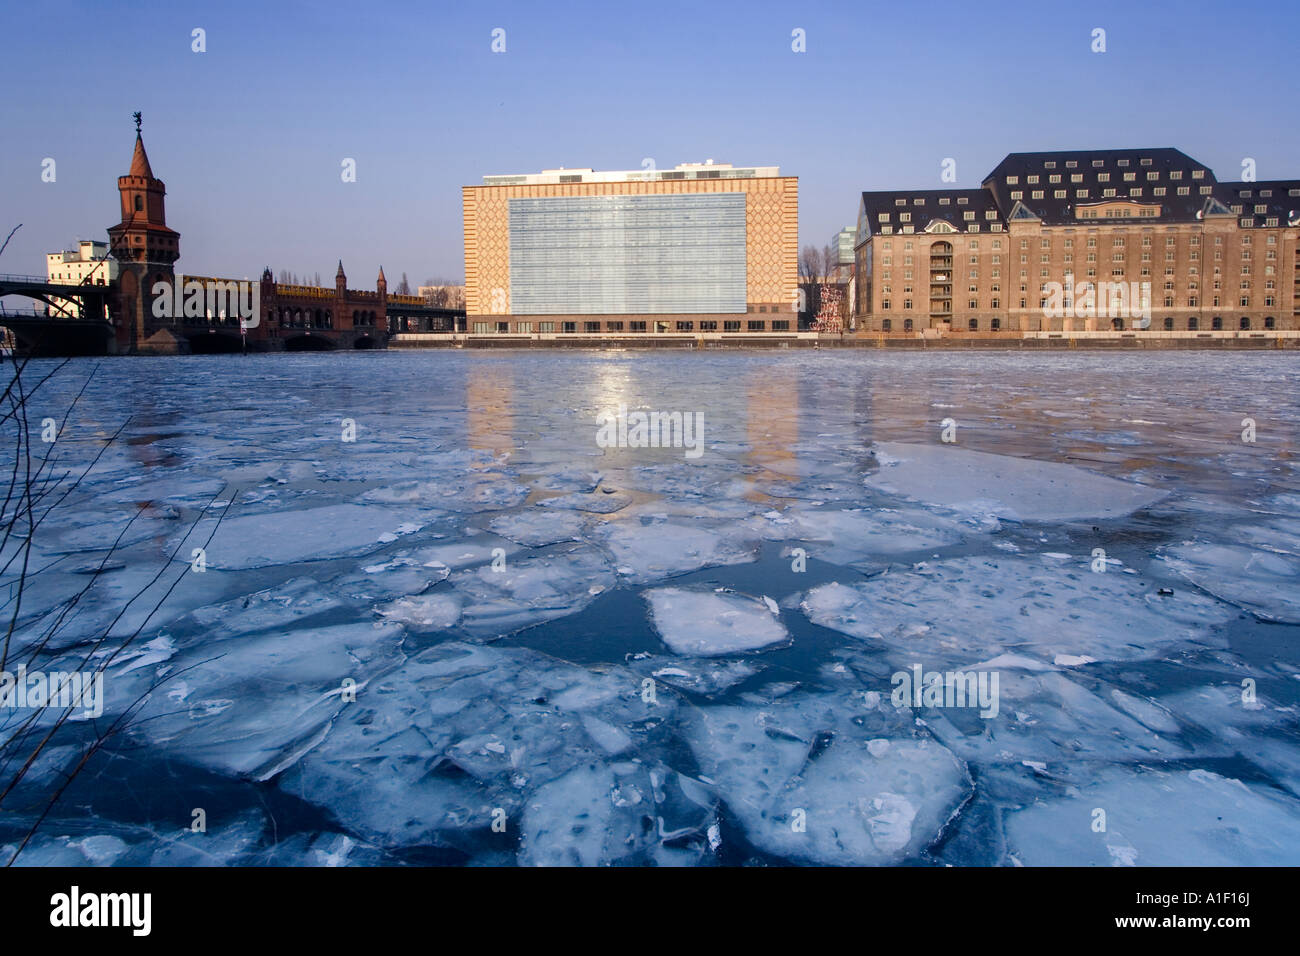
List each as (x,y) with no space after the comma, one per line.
(142,311)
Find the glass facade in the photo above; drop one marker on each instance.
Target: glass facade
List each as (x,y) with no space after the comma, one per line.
(842,243)
(615,255)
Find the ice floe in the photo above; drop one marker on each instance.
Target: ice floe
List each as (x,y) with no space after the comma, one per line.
(707,623)
(535,529)
(968,609)
(531,590)
(256,704)
(312,534)
(1022,489)
(1263,582)
(648,550)
(1154,818)
(804,783)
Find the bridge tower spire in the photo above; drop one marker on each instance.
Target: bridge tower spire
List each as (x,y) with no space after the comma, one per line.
(144,245)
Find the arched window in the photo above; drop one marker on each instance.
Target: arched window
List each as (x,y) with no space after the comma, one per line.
(886,325)
(1169,323)
(973,325)
(907,325)
(1268,322)
(995,324)
(1244,324)
(1216,323)
(1192,324)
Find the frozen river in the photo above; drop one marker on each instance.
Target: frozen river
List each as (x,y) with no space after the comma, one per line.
(413,607)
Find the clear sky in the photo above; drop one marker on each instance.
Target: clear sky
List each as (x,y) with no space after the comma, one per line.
(249,136)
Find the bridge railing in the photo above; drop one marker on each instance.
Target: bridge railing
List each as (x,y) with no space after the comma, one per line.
(25,280)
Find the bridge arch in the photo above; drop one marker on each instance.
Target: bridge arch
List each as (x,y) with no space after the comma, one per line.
(309,343)
(214,343)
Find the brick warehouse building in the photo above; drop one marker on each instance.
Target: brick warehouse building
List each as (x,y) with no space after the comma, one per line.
(1216,255)
(701,248)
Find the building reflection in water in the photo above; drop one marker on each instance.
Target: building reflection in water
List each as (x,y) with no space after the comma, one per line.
(772,429)
(489,408)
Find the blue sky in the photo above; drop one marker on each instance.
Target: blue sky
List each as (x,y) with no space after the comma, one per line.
(249,136)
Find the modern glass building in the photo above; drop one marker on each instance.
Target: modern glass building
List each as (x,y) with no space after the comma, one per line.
(700,248)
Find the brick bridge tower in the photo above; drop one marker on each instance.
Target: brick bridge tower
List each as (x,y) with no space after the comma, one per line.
(340,297)
(145,247)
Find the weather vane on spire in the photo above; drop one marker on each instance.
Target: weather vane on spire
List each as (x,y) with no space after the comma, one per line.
(137,121)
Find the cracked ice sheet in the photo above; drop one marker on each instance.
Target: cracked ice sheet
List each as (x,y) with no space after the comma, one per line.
(598,814)
(95,530)
(403,574)
(119,603)
(964,610)
(868,799)
(1019,489)
(222,845)
(289,537)
(649,551)
(703,676)
(279,607)
(535,529)
(250,706)
(1186,818)
(486,491)
(565,478)
(1262,731)
(857,534)
(1263,582)
(1045,718)
(424,612)
(531,590)
(597,502)
(429,750)
(708,624)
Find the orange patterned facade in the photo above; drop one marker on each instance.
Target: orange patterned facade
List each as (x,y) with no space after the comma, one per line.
(771,253)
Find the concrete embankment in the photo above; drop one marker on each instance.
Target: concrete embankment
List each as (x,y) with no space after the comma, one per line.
(896,340)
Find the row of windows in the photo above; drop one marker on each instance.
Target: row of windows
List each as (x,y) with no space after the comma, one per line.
(591,328)
(1264,193)
(1118,241)
(1120,269)
(1100,163)
(317,319)
(909,229)
(943,201)
(1107,193)
(1193,325)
